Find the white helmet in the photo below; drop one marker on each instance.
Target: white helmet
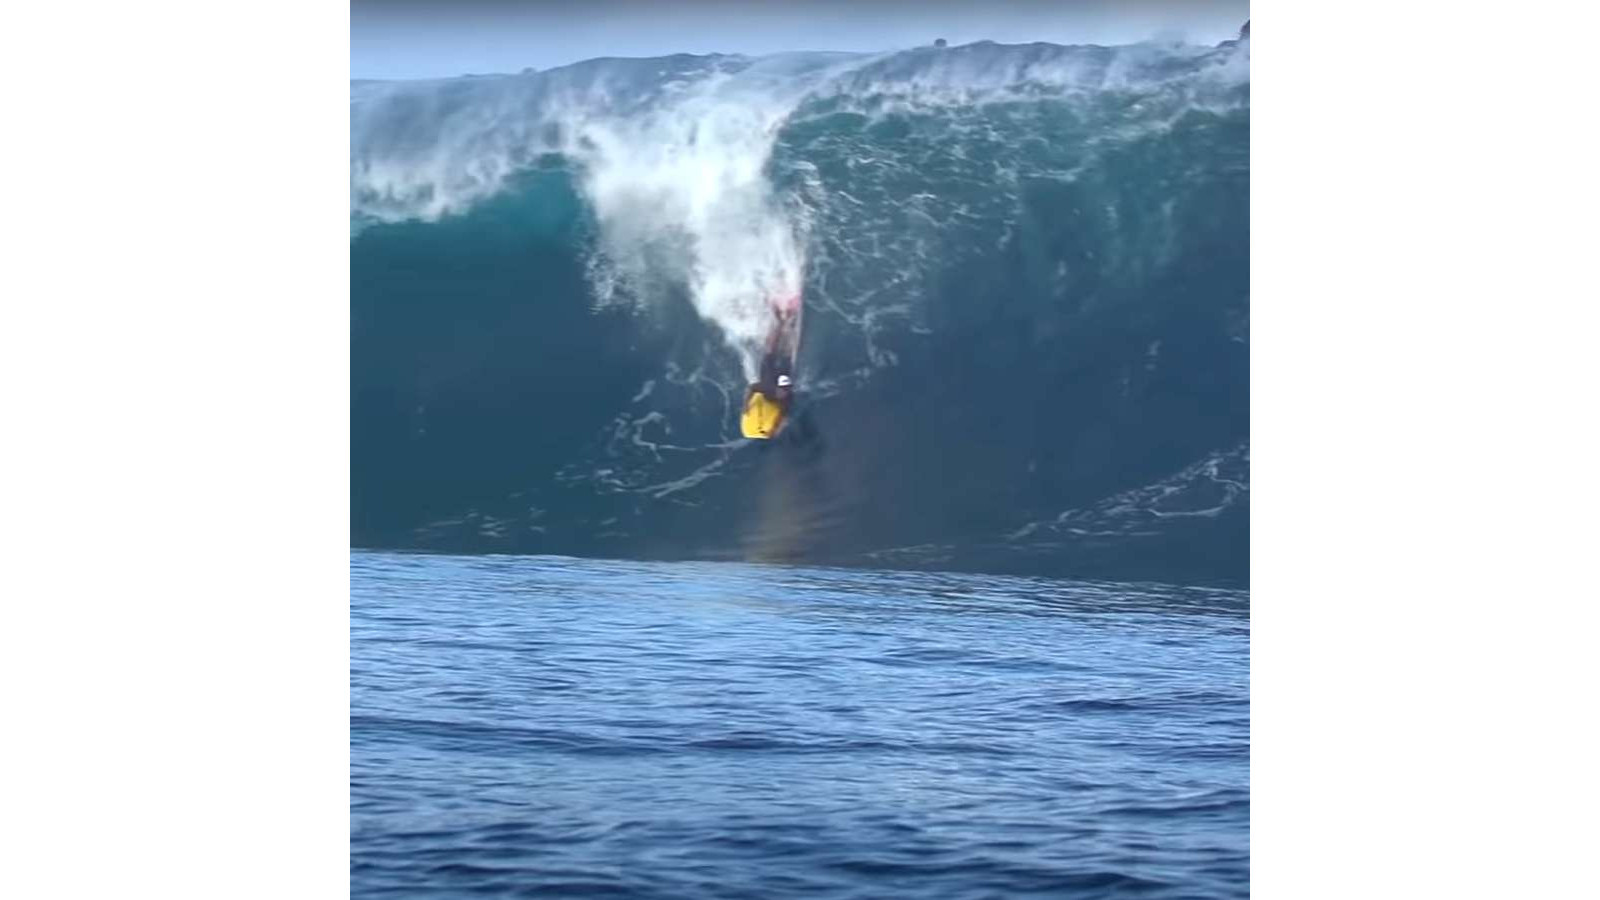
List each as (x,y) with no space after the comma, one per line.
(783,381)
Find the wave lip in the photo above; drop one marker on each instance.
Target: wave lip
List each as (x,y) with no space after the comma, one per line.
(428,148)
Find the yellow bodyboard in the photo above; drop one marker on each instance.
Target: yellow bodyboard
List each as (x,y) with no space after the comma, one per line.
(761,416)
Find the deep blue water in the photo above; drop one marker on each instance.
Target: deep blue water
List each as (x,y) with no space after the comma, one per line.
(547,726)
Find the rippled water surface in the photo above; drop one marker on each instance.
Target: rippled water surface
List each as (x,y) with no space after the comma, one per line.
(536,726)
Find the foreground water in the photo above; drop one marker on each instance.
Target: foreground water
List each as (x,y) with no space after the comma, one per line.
(557,727)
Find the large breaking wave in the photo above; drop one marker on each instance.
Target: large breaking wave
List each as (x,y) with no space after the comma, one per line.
(1025,271)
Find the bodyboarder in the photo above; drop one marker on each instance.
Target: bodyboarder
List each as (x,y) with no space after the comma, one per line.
(767,401)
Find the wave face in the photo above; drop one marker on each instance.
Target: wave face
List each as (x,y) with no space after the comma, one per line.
(1026,282)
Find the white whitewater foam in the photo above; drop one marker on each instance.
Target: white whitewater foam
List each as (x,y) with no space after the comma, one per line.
(680,191)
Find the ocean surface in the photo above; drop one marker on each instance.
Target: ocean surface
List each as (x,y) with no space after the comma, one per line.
(1025,282)
(550,726)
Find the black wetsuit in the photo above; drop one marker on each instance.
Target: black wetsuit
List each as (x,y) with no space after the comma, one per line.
(772,365)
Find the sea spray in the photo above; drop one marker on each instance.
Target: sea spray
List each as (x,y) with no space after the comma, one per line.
(681,191)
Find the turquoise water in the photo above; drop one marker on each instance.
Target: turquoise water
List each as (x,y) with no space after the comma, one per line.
(547,726)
